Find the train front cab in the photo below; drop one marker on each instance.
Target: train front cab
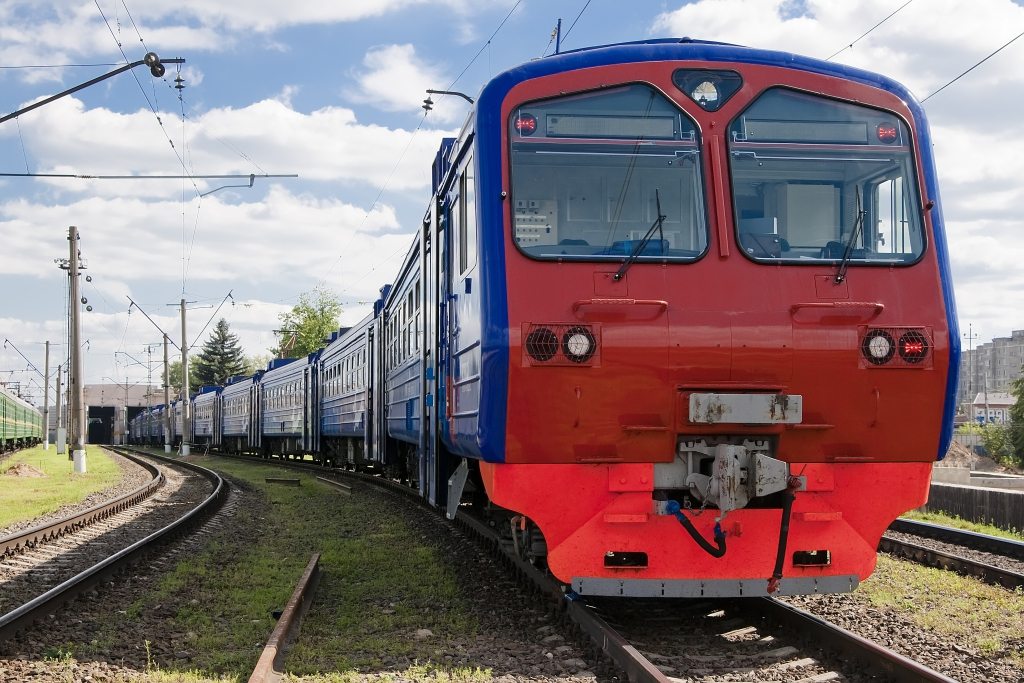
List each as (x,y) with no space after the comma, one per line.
(728,307)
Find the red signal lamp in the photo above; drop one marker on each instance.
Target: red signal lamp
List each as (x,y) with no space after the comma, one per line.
(913,347)
(526,124)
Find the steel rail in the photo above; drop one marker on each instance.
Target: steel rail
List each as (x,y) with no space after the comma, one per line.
(970,539)
(18,542)
(270,665)
(892,665)
(637,668)
(943,560)
(52,600)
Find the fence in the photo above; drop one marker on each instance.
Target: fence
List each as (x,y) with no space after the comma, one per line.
(1004,509)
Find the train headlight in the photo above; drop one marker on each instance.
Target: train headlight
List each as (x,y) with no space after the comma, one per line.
(878,347)
(578,344)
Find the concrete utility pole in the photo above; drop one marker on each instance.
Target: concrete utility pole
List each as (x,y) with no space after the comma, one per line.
(167,400)
(78,425)
(186,417)
(46,399)
(61,434)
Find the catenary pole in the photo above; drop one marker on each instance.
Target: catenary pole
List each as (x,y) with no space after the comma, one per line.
(61,434)
(186,421)
(167,399)
(46,399)
(77,422)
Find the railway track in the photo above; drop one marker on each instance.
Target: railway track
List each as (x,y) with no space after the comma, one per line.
(998,561)
(43,568)
(658,641)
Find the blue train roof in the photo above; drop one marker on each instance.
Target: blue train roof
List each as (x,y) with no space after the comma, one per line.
(666,49)
(279,362)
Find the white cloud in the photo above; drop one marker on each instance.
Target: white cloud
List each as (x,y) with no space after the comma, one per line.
(284,240)
(270,249)
(395,78)
(328,144)
(54,32)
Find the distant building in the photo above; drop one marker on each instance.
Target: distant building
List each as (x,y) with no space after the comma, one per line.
(991,367)
(109,408)
(996,404)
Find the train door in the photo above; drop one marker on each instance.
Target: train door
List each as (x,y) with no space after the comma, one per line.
(430,400)
(376,395)
(434,475)
(369,433)
(307,408)
(255,416)
(218,420)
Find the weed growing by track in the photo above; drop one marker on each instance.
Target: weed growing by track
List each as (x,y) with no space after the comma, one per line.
(24,497)
(959,523)
(977,615)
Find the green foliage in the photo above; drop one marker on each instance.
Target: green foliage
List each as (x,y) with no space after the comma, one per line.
(970,428)
(996,438)
(1017,421)
(304,328)
(220,358)
(256,362)
(174,373)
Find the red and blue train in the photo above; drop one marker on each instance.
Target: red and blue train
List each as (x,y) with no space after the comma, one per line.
(680,311)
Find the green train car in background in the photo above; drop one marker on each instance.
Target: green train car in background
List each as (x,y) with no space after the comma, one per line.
(21,424)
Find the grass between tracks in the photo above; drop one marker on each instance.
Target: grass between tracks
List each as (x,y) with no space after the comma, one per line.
(382,581)
(981,617)
(958,523)
(24,497)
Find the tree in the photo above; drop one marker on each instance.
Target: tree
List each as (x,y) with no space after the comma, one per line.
(1017,421)
(304,328)
(256,363)
(174,377)
(220,358)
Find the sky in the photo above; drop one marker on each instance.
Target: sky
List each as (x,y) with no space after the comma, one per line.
(331,91)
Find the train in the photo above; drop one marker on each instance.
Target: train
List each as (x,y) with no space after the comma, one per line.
(21,423)
(678,315)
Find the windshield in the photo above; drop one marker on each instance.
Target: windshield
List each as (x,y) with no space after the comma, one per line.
(589,171)
(819,180)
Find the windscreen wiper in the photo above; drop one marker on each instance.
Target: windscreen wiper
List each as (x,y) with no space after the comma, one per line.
(841,272)
(638,249)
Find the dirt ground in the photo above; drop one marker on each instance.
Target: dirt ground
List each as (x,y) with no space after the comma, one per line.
(961,456)
(23,469)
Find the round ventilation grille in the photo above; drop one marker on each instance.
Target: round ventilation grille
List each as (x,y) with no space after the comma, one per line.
(541,344)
